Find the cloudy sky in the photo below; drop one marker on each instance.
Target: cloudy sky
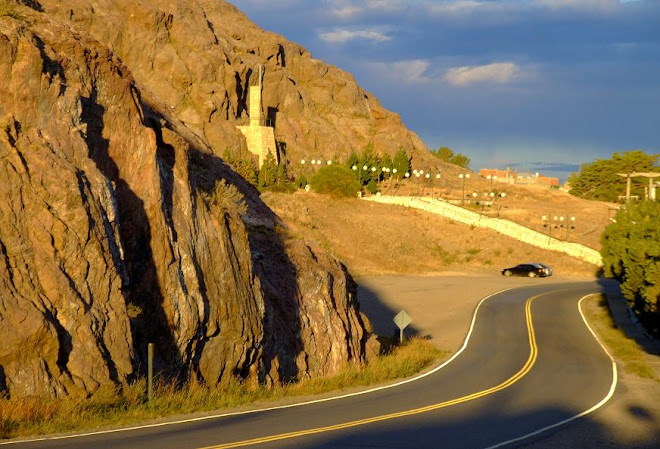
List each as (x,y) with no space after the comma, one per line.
(542,85)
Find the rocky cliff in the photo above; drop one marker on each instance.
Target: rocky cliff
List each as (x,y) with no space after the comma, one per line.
(198,57)
(119,223)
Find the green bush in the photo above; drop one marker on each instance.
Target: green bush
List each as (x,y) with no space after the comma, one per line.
(631,255)
(335,180)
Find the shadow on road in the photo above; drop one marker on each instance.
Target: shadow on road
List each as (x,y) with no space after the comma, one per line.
(486,429)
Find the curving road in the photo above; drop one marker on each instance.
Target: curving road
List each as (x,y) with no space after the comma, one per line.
(529,363)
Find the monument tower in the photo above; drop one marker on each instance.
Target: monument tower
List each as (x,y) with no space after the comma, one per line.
(260,139)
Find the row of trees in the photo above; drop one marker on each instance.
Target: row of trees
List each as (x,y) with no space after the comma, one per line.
(447,155)
(270,175)
(367,168)
(631,244)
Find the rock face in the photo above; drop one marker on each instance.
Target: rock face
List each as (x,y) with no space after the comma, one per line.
(198,57)
(119,223)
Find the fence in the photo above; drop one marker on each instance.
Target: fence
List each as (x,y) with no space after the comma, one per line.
(500,225)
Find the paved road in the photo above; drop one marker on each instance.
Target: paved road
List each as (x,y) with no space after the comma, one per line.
(530,362)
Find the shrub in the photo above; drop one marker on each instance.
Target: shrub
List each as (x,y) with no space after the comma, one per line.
(335,180)
(631,255)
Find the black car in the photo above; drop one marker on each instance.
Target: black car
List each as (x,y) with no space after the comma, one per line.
(548,270)
(531,270)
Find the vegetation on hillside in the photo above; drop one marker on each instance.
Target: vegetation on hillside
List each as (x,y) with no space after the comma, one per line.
(598,180)
(336,181)
(447,155)
(631,255)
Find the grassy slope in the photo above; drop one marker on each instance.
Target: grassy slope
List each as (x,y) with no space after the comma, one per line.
(374,239)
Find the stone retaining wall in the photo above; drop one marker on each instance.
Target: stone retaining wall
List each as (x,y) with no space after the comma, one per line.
(500,225)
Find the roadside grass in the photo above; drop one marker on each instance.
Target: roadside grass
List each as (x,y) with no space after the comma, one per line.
(625,350)
(112,407)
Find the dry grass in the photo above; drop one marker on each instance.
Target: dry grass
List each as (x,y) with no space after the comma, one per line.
(625,350)
(111,407)
(373,239)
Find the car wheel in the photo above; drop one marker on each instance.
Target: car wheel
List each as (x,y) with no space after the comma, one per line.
(531,274)
(507,273)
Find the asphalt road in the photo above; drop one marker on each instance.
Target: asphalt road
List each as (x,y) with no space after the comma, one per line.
(530,363)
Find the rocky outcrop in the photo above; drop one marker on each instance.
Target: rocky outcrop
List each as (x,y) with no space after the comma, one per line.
(199,57)
(120,225)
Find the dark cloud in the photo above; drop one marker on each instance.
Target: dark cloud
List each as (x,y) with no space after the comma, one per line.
(554,167)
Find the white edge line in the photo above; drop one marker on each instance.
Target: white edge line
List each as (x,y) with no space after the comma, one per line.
(279,407)
(586,412)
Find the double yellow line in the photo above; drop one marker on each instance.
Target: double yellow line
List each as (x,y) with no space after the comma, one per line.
(533,354)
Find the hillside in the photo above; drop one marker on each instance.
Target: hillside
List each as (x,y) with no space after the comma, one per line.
(373,239)
(197,59)
(120,224)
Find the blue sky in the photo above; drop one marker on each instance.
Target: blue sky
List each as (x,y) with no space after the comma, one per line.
(542,85)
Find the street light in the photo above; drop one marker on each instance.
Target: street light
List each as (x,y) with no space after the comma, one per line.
(463,177)
(570,226)
(491,178)
(499,206)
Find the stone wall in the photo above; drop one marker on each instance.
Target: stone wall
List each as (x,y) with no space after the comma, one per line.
(505,227)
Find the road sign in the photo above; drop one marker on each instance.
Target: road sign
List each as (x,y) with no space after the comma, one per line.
(402,320)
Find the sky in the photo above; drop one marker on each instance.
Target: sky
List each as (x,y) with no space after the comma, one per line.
(535,85)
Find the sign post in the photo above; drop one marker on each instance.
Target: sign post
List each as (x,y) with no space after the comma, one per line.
(402,320)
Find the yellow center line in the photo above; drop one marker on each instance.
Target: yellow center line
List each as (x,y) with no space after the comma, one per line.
(533,353)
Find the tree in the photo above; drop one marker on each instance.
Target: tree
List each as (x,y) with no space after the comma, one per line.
(446,154)
(598,180)
(368,159)
(443,153)
(460,159)
(335,180)
(386,162)
(268,172)
(401,162)
(631,255)
(353,160)
(243,163)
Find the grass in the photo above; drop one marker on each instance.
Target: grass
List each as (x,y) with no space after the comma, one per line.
(111,407)
(625,350)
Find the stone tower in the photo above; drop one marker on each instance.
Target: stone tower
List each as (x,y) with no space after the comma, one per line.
(260,139)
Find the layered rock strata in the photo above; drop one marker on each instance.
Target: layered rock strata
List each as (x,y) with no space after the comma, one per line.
(120,225)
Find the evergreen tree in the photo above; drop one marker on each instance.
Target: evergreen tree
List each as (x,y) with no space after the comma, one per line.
(598,180)
(267,172)
(631,255)
(401,162)
(386,162)
(444,154)
(353,160)
(460,159)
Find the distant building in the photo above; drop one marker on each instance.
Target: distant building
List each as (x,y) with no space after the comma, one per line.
(509,176)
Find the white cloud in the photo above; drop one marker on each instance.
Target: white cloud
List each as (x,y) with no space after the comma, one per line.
(346,9)
(462,8)
(499,73)
(580,5)
(411,71)
(340,35)
(346,12)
